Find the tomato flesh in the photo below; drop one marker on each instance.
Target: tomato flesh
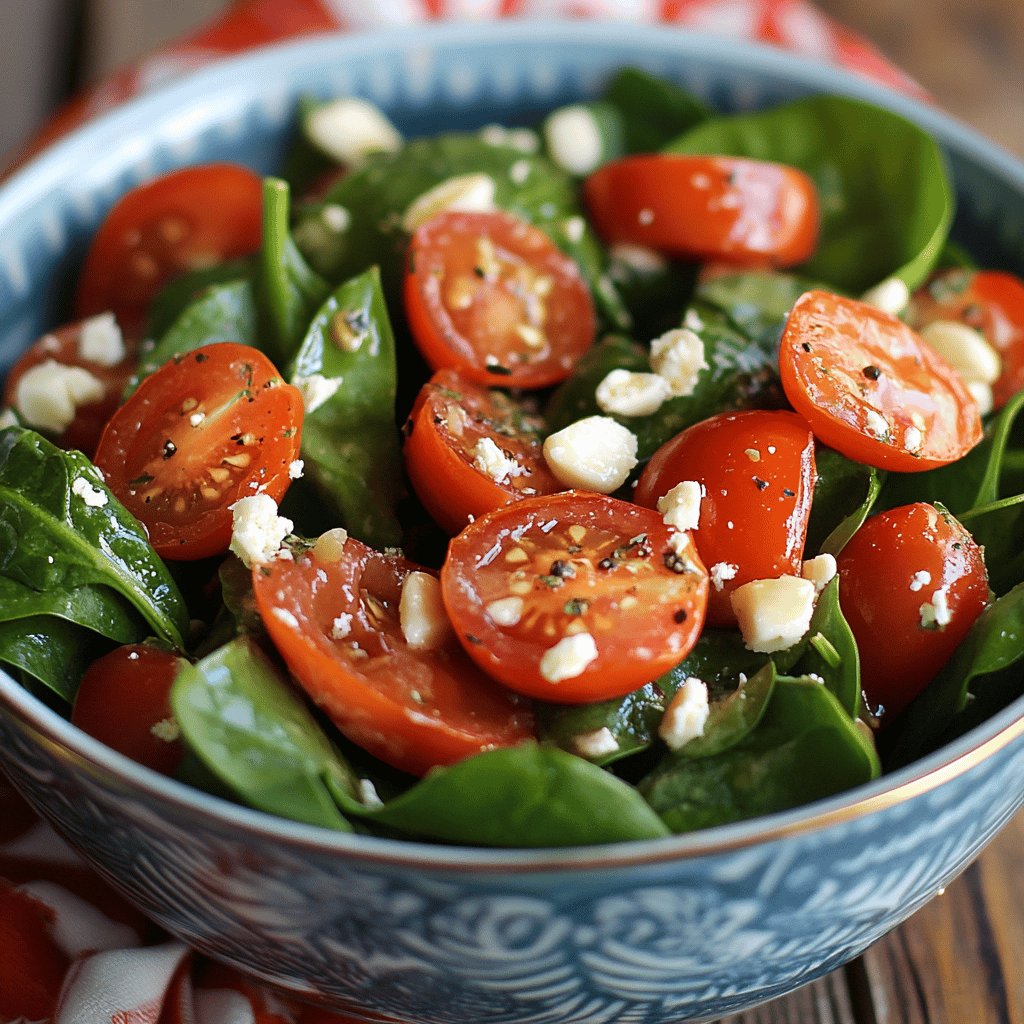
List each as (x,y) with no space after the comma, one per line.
(871,388)
(492,296)
(912,582)
(336,623)
(757,472)
(735,210)
(206,429)
(525,577)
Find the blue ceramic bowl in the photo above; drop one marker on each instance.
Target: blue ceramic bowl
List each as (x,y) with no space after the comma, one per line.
(690,927)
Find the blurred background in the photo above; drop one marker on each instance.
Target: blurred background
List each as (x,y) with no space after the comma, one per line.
(968,53)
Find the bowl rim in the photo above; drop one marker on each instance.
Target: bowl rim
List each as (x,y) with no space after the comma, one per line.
(30,183)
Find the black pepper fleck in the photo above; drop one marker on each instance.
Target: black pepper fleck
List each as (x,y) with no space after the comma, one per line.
(871,372)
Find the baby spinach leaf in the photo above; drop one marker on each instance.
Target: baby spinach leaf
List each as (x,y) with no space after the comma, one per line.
(350,443)
(523,796)
(250,730)
(886,208)
(844,495)
(720,659)
(653,110)
(52,539)
(305,162)
(179,292)
(54,651)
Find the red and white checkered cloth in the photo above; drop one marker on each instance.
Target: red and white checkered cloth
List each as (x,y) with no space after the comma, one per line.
(71,950)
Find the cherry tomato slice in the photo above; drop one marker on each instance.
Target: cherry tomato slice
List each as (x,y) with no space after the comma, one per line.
(599,578)
(206,429)
(124,701)
(731,209)
(493,297)
(912,582)
(63,347)
(470,449)
(758,473)
(185,220)
(336,623)
(990,301)
(871,388)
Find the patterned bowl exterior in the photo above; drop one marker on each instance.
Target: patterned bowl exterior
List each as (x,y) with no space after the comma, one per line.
(687,928)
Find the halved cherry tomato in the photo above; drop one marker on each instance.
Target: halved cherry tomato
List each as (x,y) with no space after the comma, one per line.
(124,701)
(912,582)
(206,429)
(493,297)
(544,571)
(336,623)
(871,388)
(453,424)
(33,966)
(63,348)
(990,301)
(707,207)
(757,471)
(181,221)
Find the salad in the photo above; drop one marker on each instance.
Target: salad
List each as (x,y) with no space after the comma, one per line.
(639,471)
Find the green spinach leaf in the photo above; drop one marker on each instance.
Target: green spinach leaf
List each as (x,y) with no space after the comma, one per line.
(844,495)
(653,110)
(53,651)
(179,292)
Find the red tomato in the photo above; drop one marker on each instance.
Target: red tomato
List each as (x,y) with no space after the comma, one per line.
(452,418)
(124,701)
(990,301)
(336,622)
(912,582)
(185,220)
(543,571)
(203,431)
(707,207)
(871,388)
(64,348)
(493,297)
(33,967)
(758,474)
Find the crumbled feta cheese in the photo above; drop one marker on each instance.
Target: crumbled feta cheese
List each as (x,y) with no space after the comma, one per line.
(625,393)
(316,389)
(599,743)
(574,228)
(493,462)
(678,356)
(257,531)
(196,418)
(680,507)
(820,570)
(421,612)
(341,626)
(100,340)
(92,496)
(877,425)
(594,454)
(965,349)
(573,139)
(526,140)
(167,730)
(468,193)
(890,296)
(568,658)
(48,395)
(295,469)
(368,795)
(692,321)
(506,611)
(921,580)
(285,616)
(720,574)
(350,129)
(982,395)
(686,714)
(913,438)
(519,172)
(330,545)
(773,614)
(936,614)
(637,259)
(336,217)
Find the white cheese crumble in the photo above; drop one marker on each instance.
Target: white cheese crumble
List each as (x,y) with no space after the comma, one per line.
(467,193)
(368,795)
(92,496)
(493,462)
(574,228)
(877,425)
(820,570)
(594,454)
(921,580)
(598,743)
(913,438)
(506,611)
(167,730)
(421,613)
(285,616)
(965,349)
(890,296)
(680,507)
(341,626)
(257,531)
(773,614)
(316,389)
(350,129)
(686,714)
(526,140)
(100,340)
(295,469)
(692,321)
(48,395)
(196,418)
(678,356)
(336,217)
(720,574)
(568,658)
(936,614)
(574,140)
(519,172)
(637,259)
(625,393)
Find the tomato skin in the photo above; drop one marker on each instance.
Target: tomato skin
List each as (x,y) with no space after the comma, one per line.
(450,417)
(179,477)
(125,694)
(412,709)
(479,284)
(180,221)
(731,209)
(990,301)
(882,600)
(846,367)
(643,622)
(758,473)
